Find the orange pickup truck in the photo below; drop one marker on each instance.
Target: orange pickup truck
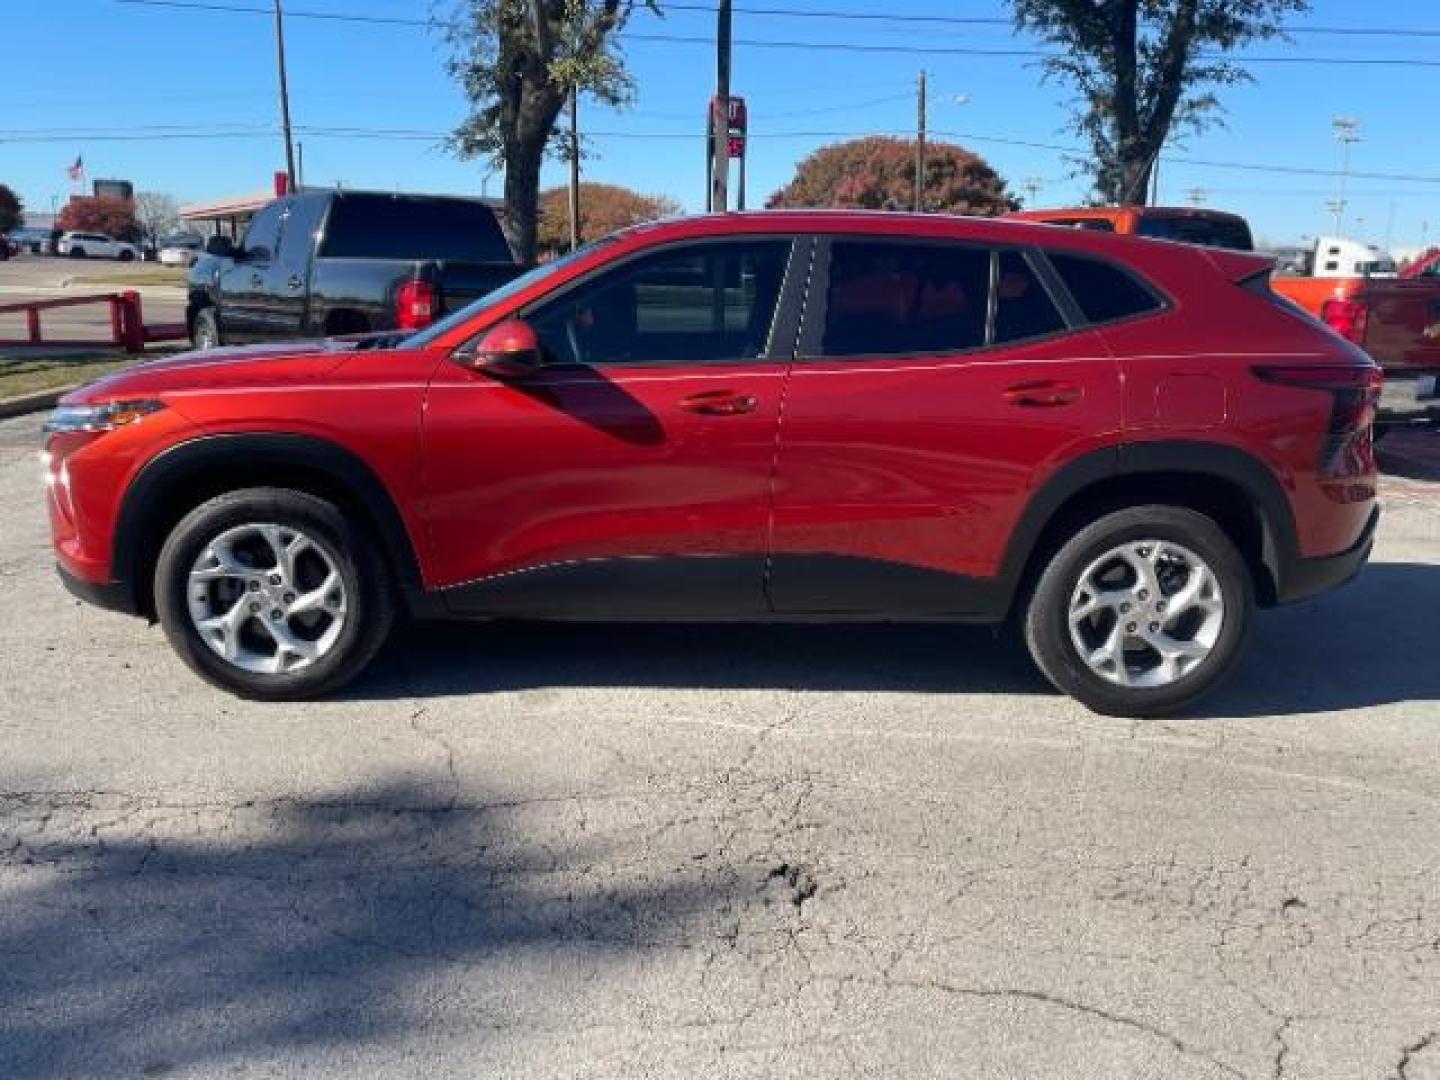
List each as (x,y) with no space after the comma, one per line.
(1351,287)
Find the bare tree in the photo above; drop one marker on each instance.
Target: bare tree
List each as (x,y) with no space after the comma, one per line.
(156,213)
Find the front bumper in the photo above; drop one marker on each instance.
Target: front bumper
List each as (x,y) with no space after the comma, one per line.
(111,595)
(1311,577)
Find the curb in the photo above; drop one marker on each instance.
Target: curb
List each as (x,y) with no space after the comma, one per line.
(36,402)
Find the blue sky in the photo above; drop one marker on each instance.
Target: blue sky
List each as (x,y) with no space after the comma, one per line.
(77,69)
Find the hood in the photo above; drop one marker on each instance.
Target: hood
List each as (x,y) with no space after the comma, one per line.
(277,364)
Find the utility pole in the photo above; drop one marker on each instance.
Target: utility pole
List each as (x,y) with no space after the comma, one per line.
(574,169)
(299,165)
(284,97)
(1196,196)
(1033,186)
(920,147)
(719,120)
(1346,130)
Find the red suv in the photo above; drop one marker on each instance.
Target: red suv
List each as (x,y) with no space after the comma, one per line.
(1128,445)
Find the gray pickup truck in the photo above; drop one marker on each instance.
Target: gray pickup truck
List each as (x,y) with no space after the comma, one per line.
(324,263)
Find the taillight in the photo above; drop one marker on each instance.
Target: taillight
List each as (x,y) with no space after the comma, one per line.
(1355,391)
(415,304)
(1348,318)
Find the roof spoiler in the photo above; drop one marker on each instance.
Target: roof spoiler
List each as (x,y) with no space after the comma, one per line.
(1240,265)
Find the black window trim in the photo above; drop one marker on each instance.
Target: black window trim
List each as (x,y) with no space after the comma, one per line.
(809,348)
(784,326)
(1164,302)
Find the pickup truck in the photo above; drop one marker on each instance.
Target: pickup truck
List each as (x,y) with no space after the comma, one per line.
(329,263)
(1351,287)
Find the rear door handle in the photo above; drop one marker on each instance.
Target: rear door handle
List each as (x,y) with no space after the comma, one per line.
(720,403)
(1045,394)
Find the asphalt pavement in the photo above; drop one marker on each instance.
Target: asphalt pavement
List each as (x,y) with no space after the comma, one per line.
(41,277)
(590,851)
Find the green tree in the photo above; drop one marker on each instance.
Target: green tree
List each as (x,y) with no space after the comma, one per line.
(1145,69)
(604,208)
(517,61)
(878,173)
(12,210)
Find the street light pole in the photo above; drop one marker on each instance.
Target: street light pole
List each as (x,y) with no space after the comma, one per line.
(920,149)
(574,169)
(1346,131)
(284,98)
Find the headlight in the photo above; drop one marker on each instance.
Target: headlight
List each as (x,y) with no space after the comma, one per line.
(106,417)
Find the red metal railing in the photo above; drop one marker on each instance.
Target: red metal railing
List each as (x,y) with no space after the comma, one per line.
(127,323)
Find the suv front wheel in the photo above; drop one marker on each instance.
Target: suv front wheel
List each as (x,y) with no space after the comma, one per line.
(272,594)
(1142,612)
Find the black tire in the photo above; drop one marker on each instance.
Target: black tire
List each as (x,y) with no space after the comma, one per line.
(205,330)
(77,253)
(126,255)
(1047,624)
(369,594)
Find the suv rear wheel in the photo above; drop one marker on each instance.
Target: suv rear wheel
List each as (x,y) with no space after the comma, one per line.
(272,594)
(1142,612)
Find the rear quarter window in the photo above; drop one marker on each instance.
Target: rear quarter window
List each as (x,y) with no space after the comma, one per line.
(1103,291)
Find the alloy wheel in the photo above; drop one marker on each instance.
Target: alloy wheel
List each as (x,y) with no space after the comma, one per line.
(267,598)
(1146,613)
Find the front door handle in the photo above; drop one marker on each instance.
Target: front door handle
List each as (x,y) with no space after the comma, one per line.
(1044,394)
(720,403)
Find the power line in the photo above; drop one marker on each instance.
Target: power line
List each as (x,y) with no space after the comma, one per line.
(209,131)
(999,20)
(767,43)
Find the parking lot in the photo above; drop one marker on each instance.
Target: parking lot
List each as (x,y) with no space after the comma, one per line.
(44,277)
(601,851)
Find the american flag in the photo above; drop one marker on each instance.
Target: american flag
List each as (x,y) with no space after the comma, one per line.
(77,171)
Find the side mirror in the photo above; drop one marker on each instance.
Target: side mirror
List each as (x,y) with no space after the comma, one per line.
(222,246)
(507,351)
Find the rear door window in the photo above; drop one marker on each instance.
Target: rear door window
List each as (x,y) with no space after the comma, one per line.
(302,221)
(404,227)
(1103,291)
(896,298)
(263,236)
(1023,307)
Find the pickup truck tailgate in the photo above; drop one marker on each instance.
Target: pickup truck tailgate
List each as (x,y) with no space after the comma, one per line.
(1402,333)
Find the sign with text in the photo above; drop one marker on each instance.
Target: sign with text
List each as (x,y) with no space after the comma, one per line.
(732,114)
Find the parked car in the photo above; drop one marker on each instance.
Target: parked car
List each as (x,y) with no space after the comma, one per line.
(328,263)
(83,245)
(1350,286)
(8,247)
(35,241)
(181,251)
(1126,446)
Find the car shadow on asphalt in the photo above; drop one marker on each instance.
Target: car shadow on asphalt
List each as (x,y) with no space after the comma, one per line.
(438,659)
(1372,642)
(1369,643)
(270,932)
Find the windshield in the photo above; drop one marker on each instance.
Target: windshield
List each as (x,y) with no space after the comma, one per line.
(511,288)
